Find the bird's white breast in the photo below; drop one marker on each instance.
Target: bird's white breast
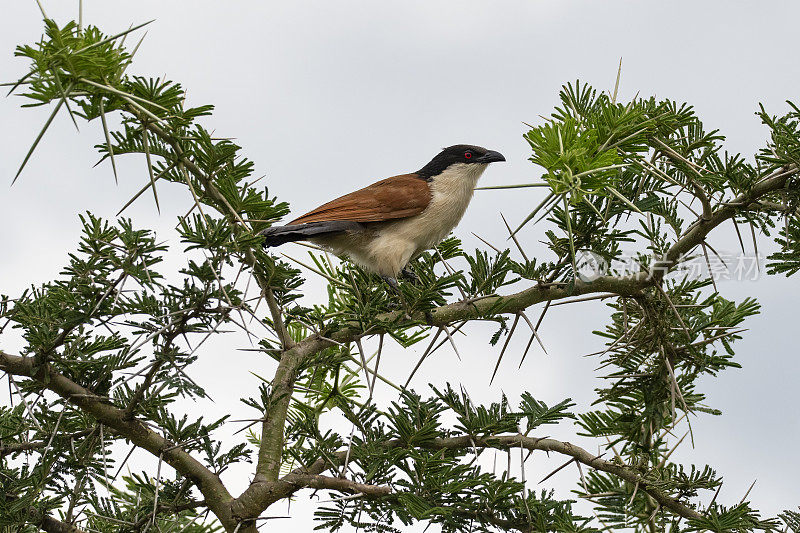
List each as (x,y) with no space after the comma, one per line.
(397,242)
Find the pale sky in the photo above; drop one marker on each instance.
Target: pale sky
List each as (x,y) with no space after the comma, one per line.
(327,97)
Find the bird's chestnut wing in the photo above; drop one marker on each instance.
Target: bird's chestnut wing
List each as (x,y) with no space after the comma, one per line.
(396,197)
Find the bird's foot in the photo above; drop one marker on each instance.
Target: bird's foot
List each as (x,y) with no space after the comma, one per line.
(410,275)
(395,286)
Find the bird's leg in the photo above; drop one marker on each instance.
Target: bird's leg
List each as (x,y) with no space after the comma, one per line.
(410,275)
(392,283)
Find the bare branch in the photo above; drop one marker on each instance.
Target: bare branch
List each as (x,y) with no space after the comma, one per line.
(335,483)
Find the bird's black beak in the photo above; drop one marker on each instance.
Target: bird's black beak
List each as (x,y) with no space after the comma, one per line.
(490,157)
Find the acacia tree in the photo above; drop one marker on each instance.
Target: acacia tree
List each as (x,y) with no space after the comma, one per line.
(108,344)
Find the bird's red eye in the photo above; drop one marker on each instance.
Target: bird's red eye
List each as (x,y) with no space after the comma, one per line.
(467,155)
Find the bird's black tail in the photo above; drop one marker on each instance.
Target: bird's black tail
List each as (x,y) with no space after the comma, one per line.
(278,235)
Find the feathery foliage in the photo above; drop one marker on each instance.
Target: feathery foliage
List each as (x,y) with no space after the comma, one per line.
(109,344)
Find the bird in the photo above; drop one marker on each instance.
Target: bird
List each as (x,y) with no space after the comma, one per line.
(385,225)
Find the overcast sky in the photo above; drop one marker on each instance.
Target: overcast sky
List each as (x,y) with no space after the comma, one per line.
(327,97)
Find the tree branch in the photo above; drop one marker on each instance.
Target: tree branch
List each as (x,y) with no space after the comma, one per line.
(51,525)
(490,518)
(216,495)
(36,445)
(282,388)
(139,393)
(627,473)
(271,450)
(161,508)
(700,193)
(334,483)
(255,499)
(277,319)
(701,227)
(141,390)
(261,495)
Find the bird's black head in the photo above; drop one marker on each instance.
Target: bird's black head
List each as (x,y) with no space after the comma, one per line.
(459,153)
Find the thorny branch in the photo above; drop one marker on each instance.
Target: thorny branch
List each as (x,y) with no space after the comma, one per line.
(293,358)
(263,494)
(133,429)
(263,490)
(267,487)
(294,355)
(39,444)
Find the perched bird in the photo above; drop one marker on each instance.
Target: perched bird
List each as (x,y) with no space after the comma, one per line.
(384,225)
